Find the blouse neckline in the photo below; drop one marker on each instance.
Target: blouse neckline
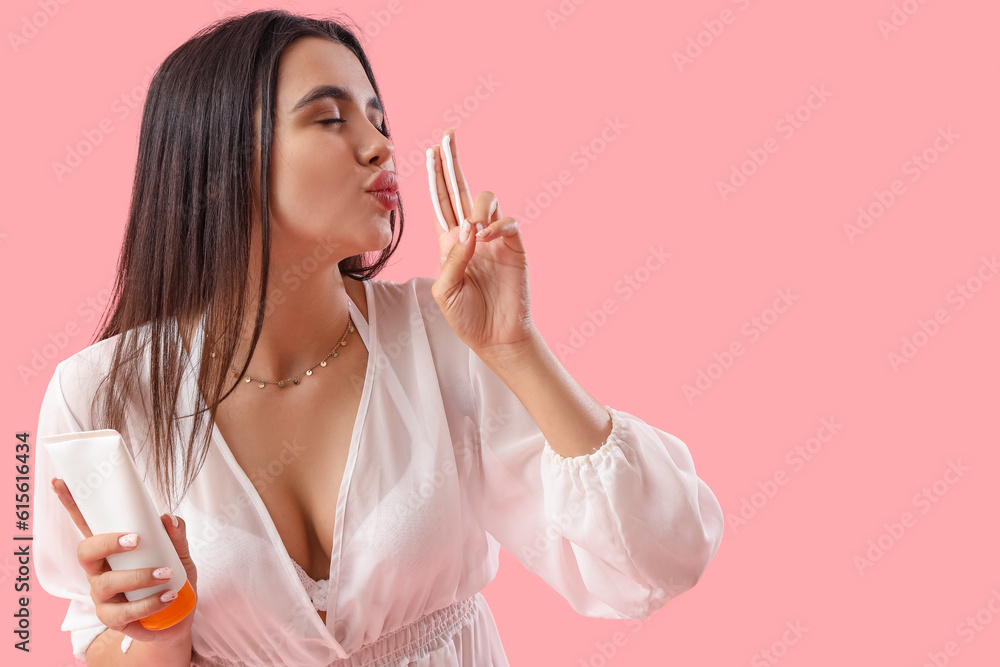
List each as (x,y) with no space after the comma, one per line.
(370,335)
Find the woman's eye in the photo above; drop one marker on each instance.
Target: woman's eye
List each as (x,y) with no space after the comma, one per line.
(331,121)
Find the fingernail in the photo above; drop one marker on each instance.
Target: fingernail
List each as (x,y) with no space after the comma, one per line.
(465,229)
(52,483)
(168,596)
(129,541)
(163,573)
(483,231)
(173,520)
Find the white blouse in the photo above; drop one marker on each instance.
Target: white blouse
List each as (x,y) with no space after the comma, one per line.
(445,466)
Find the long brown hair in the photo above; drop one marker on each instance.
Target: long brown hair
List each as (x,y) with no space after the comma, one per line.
(187,244)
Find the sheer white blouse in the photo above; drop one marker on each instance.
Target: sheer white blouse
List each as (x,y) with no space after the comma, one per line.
(445,466)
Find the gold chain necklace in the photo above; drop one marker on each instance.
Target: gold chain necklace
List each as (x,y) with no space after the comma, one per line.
(309,371)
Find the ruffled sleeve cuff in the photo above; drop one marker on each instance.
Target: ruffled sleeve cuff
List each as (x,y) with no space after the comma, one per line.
(608,450)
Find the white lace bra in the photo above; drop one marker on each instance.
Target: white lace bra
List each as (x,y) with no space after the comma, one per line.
(317,590)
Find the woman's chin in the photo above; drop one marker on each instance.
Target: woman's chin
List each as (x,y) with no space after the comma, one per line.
(384,237)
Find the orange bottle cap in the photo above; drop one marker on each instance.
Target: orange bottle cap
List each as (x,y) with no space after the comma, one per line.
(175,612)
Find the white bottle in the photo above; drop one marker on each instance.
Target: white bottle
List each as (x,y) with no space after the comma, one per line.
(102,477)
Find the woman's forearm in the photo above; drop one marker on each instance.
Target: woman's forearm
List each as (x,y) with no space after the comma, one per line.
(106,651)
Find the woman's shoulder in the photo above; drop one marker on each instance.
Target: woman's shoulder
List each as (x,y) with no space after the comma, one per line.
(410,306)
(405,298)
(96,357)
(417,288)
(81,373)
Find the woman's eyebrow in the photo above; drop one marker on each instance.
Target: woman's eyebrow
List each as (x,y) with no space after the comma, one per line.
(335,92)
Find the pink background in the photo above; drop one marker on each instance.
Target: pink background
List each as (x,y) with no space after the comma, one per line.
(652,183)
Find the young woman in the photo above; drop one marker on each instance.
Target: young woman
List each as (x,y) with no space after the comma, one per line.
(340,457)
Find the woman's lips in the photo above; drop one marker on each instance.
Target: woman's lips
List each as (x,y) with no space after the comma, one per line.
(388,198)
(384,188)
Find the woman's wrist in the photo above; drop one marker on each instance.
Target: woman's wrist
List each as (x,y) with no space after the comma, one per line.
(107,649)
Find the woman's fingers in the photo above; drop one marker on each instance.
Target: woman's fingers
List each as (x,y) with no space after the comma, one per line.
(504,227)
(66,498)
(454,194)
(108,585)
(178,537)
(486,210)
(118,615)
(441,188)
(92,552)
(464,195)
(432,176)
(448,187)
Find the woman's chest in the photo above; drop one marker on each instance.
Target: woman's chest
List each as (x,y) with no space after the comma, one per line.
(385,498)
(295,453)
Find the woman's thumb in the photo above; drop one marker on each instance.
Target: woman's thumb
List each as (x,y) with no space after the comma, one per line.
(453,268)
(178,536)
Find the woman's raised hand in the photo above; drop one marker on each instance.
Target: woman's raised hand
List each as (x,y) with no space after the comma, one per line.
(482,288)
(107,586)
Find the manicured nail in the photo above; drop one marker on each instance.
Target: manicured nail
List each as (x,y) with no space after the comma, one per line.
(173,520)
(168,596)
(163,573)
(129,541)
(483,231)
(52,483)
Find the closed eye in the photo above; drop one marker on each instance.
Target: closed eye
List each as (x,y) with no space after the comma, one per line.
(331,121)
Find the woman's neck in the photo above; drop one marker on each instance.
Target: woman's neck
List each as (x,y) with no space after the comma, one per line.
(301,326)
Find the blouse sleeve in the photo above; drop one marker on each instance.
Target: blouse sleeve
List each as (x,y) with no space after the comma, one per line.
(55,535)
(618,532)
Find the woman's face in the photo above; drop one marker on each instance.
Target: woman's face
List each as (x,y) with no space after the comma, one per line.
(320,170)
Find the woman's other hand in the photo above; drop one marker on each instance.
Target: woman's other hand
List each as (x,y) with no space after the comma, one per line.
(107,586)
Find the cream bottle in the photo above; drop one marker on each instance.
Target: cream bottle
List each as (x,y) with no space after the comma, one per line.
(102,477)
